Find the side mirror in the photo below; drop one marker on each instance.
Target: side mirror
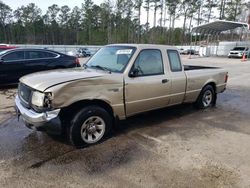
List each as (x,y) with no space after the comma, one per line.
(1,60)
(134,73)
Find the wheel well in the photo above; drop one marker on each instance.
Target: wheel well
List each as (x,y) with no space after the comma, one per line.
(211,84)
(214,87)
(67,113)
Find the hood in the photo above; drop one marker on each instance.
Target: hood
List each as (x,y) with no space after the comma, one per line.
(42,80)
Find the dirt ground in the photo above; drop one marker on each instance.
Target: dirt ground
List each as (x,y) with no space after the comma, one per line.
(173,147)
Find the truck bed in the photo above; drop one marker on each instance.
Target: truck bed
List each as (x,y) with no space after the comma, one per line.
(192,67)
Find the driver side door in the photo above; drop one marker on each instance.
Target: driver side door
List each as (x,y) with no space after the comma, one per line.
(150,88)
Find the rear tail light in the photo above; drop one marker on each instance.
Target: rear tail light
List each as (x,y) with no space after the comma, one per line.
(226,77)
(77,62)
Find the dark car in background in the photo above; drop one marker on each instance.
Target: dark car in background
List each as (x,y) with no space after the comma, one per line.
(18,62)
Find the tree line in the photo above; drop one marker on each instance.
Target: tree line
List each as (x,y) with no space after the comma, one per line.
(117,21)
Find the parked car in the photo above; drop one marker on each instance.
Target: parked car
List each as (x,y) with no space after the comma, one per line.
(6,47)
(181,50)
(18,62)
(72,53)
(238,52)
(83,52)
(189,51)
(119,81)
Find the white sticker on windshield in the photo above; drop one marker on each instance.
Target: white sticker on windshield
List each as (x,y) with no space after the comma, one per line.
(124,51)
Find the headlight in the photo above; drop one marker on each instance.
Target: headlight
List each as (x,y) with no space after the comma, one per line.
(41,101)
(37,99)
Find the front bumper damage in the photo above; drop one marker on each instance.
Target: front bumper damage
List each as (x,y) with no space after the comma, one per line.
(44,121)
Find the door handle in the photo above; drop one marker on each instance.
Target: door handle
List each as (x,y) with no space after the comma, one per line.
(164,81)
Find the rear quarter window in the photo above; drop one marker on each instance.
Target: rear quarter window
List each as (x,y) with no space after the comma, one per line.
(174,60)
(49,54)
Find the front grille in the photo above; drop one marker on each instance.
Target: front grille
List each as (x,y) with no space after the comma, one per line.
(24,93)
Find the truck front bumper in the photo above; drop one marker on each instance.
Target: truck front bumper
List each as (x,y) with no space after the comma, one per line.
(45,121)
(235,55)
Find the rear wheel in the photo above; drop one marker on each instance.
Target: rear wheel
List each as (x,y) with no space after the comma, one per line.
(207,98)
(89,126)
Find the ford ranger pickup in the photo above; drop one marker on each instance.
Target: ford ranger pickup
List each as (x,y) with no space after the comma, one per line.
(119,81)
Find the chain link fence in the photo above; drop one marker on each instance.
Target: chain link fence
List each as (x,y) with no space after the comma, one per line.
(61,48)
(211,50)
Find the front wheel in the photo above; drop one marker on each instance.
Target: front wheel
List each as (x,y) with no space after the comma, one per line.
(207,98)
(89,126)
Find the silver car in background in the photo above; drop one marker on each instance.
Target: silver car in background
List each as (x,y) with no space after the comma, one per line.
(238,52)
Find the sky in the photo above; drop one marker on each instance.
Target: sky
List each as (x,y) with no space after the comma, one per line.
(44,4)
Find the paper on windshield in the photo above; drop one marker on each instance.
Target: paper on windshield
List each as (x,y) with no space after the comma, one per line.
(124,51)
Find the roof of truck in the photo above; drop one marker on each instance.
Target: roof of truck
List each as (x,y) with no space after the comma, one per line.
(144,45)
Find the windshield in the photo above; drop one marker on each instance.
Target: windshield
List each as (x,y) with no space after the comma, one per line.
(112,58)
(239,48)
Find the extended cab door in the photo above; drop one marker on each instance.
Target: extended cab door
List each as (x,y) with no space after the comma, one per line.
(148,86)
(178,76)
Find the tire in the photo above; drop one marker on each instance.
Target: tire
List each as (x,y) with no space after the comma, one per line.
(89,126)
(207,98)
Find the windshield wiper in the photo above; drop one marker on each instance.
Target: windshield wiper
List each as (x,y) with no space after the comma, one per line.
(101,68)
(85,66)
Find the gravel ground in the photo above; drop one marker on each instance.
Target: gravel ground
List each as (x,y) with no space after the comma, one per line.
(173,147)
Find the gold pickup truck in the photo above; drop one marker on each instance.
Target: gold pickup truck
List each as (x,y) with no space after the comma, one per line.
(119,81)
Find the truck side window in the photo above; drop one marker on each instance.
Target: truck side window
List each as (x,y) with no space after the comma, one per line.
(174,60)
(149,62)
